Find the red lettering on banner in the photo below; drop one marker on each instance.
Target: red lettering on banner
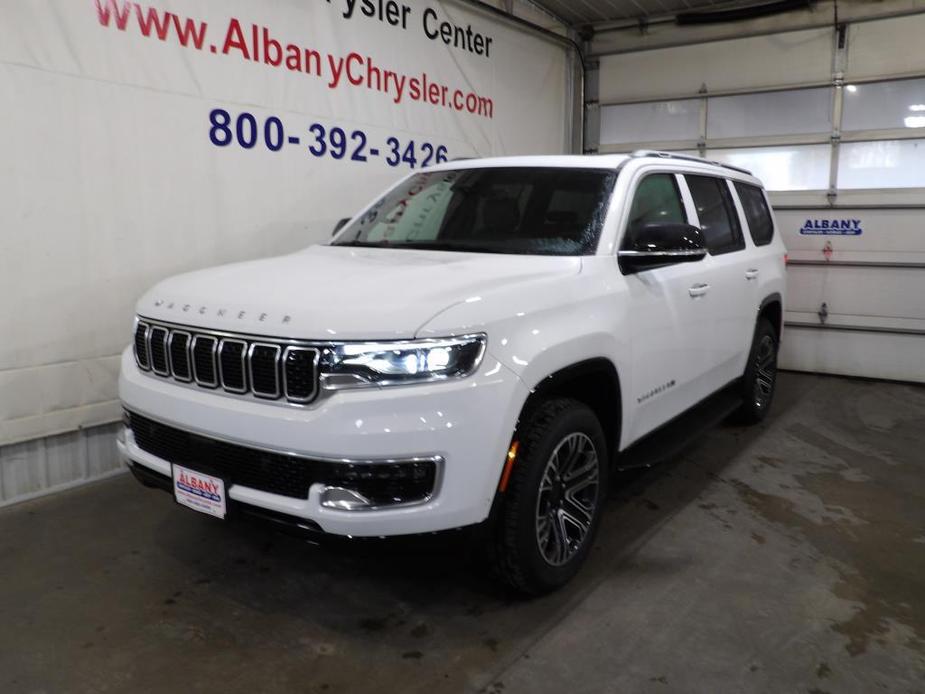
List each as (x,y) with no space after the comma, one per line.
(104,12)
(337,67)
(235,39)
(260,46)
(153,19)
(373,72)
(351,59)
(399,86)
(312,58)
(271,45)
(191,31)
(255,42)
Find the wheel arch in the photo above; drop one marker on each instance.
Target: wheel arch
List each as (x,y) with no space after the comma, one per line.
(772,308)
(594,382)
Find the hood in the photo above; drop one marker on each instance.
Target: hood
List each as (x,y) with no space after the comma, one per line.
(340,293)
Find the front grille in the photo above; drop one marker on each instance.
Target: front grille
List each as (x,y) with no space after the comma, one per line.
(265,368)
(278,473)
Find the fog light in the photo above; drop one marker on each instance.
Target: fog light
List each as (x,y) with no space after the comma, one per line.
(358,486)
(344,499)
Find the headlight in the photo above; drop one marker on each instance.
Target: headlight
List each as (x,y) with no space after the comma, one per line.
(362,364)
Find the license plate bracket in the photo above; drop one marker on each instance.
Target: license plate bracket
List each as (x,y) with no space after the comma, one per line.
(199,491)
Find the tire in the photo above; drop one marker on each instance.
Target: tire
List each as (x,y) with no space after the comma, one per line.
(547,496)
(760,378)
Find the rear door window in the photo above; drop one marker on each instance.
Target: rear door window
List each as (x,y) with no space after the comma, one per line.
(718,218)
(757,214)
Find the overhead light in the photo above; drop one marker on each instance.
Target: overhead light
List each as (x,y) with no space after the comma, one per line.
(914,121)
(917,107)
(851,88)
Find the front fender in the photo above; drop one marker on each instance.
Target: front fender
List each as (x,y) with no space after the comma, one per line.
(553,326)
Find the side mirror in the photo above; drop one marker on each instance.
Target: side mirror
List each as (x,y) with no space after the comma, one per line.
(661,243)
(340,225)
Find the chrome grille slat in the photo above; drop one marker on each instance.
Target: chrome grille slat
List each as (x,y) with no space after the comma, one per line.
(295,362)
(262,372)
(232,369)
(142,353)
(178,348)
(205,370)
(157,349)
(265,368)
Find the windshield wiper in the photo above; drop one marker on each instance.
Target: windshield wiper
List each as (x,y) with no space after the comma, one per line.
(428,246)
(364,244)
(461,247)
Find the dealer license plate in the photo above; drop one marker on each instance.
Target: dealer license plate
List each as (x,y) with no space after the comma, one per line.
(198,491)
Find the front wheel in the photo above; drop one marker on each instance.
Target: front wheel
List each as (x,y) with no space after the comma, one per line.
(553,502)
(760,378)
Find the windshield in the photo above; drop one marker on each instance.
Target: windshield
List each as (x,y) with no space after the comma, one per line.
(535,211)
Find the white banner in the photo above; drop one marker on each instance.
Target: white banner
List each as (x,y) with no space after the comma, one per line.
(141,140)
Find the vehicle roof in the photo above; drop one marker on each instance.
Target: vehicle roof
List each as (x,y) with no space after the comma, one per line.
(601,161)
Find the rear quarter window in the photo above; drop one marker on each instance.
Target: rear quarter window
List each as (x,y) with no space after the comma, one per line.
(757,214)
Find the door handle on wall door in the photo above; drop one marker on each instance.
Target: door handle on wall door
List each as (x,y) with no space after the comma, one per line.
(698,290)
(751,273)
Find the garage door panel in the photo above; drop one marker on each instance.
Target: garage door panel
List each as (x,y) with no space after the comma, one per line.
(862,291)
(867,56)
(776,60)
(887,235)
(853,353)
(846,321)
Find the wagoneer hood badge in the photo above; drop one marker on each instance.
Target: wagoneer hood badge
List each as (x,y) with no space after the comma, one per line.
(223,312)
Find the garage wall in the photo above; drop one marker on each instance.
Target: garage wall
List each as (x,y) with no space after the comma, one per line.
(832,118)
(141,140)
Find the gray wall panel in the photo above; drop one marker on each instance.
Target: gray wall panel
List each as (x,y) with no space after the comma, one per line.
(57,462)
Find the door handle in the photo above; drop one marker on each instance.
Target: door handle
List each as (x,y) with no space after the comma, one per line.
(751,273)
(698,290)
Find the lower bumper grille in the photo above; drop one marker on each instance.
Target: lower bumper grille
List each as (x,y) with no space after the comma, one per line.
(382,483)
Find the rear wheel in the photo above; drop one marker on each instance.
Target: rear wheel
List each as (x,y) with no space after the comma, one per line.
(552,506)
(760,378)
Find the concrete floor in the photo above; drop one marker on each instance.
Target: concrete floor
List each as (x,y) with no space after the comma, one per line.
(788,557)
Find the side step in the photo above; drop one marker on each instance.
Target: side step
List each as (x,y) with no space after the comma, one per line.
(672,437)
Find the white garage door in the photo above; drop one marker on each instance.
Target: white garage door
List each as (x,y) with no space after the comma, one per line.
(835,127)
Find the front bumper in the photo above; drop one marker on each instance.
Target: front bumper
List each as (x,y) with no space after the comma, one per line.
(466,424)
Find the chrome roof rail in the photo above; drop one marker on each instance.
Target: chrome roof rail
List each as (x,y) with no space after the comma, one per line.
(685,157)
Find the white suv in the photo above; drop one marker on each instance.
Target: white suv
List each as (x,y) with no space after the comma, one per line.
(484,342)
